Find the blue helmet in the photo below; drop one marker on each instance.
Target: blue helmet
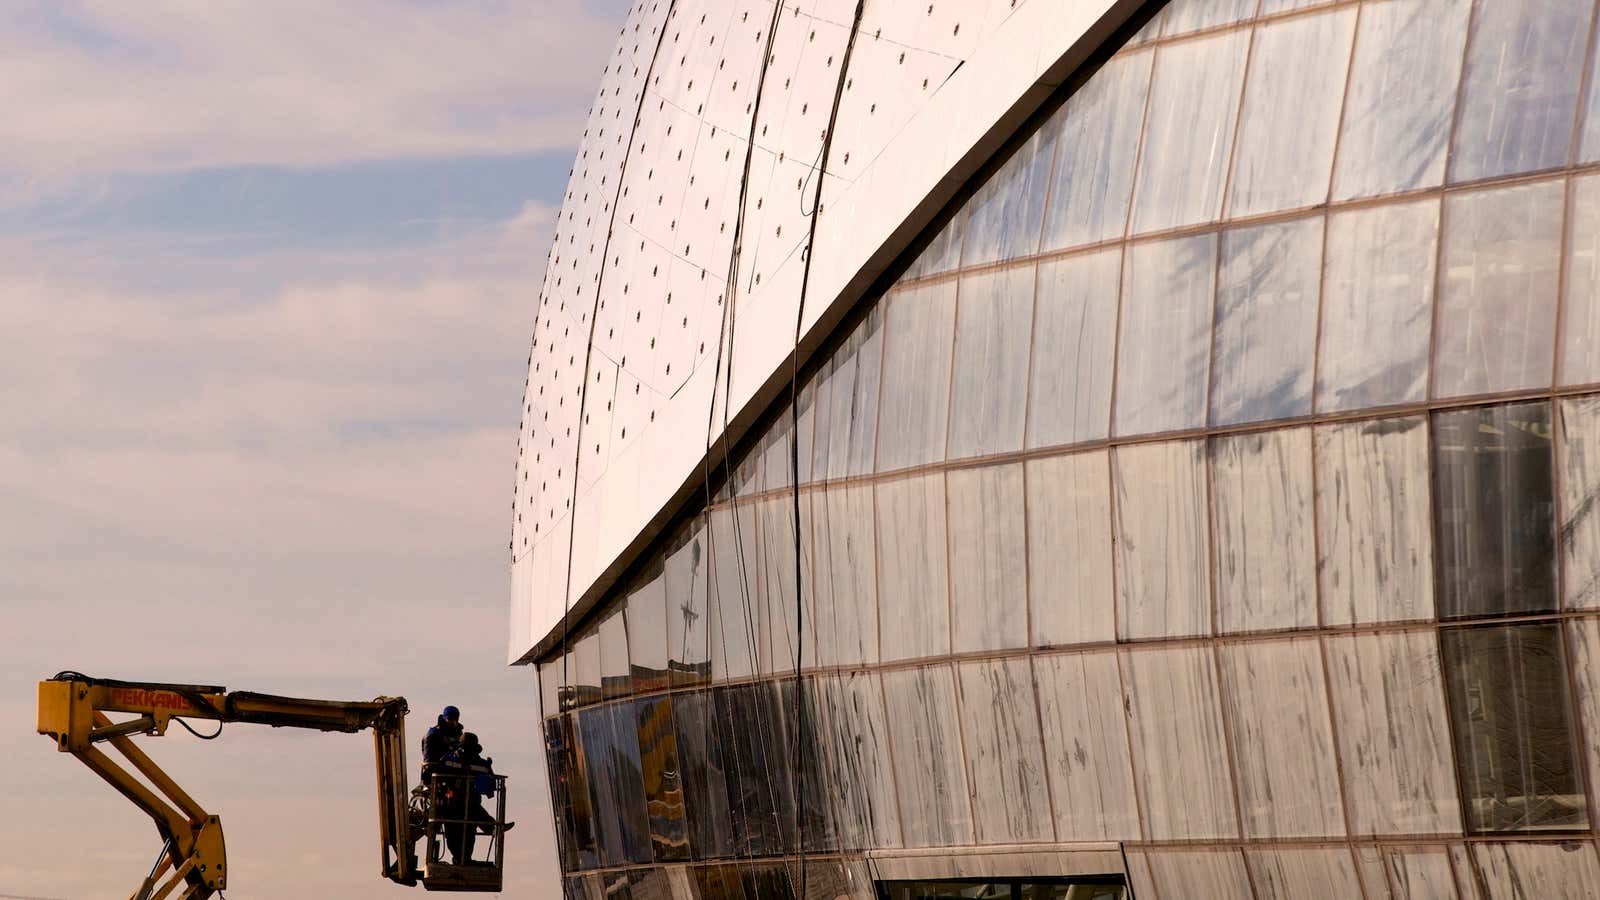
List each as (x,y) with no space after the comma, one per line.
(451,714)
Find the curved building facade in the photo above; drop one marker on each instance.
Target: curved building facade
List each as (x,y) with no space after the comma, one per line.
(1146,449)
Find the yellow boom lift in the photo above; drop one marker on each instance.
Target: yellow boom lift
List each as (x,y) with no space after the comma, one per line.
(73,711)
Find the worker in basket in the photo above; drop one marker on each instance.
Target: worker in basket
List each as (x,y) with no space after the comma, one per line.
(471,779)
(442,740)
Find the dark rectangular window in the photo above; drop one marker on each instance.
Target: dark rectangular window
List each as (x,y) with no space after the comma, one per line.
(663,788)
(1494,510)
(1514,744)
(1105,887)
(609,740)
(705,780)
(569,796)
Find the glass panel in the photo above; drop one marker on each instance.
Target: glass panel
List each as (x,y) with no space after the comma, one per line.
(778,547)
(1375,519)
(1421,872)
(1580,325)
(569,796)
(1494,510)
(1514,746)
(1291,113)
(848,721)
(1266,322)
(738,634)
(768,881)
(1401,97)
(1005,213)
(943,253)
(1189,130)
(722,882)
(846,590)
(1086,746)
(934,807)
(705,781)
(758,751)
(610,743)
(1099,142)
(1162,540)
(1584,637)
(916,379)
(1069,549)
(663,791)
(989,392)
(1184,16)
(807,427)
(988,558)
(1199,873)
(1538,870)
(1179,760)
(847,402)
(1497,312)
(1005,755)
(1376,353)
(688,637)
(647,633)
(1394,740)
(586,674)
(913,567)
(1580,494)
(1074,336)
(615,675)
(1164,353)
(1261,517)
(1287,874)
(550,688)
(1277,706)
(1520,90)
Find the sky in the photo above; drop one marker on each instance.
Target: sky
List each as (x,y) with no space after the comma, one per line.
(267,282)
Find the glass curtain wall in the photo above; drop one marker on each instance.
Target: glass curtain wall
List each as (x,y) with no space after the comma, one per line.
(1221,479)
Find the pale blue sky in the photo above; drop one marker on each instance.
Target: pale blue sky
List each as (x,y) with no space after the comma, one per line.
(267,274)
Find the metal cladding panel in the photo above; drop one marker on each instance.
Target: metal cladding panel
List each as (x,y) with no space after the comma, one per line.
(638,327)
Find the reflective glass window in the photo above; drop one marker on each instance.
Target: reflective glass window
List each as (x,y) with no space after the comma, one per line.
(1375,519)
(1291,113)
(913,567)
(1189,129)
(1584,635)
(1099,141)
(1520,89)
(569,795)
(1069,549)
(776,524)
(1580,322)
(738,628)
(848,720)
(616,678)
(988,558)
(1005,754)
(1290,872)
(1536,869)
(1509,703)
(758,752)
(586,669)
(1580,502)
(846,618)
(1004,215)
(989,392)
(847,402)
(1184,16)
(1162,540)
(1401,97)
(647,632)
(1198,873)
(929,768)
(1377,306)
(1266,322)
(1261,516)
(610,742)
(916,375)
(1074,341)
(686,577)
(1278,722)
(720,882)
(943,253)
(1086,746)
(1498,297)
(1394,739)
(1179,758)
(705,780)
(663,788)
(1420,871)
(550,691)
(1164,352)
(1494,510)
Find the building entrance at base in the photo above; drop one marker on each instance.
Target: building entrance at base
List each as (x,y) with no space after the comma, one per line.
(1081,888)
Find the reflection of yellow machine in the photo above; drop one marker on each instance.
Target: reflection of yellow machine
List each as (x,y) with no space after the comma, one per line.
(73,708)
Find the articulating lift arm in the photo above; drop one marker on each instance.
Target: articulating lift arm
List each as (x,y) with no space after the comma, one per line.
(73,708)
